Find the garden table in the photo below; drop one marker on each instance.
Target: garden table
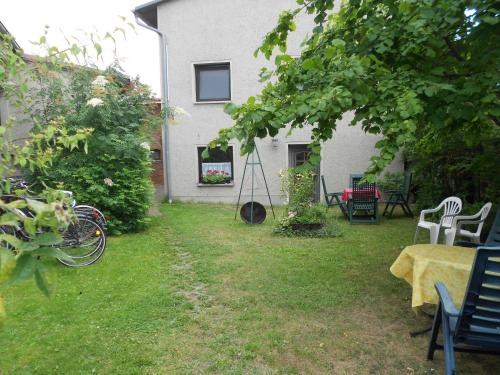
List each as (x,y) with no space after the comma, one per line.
(425,264)
(348,191)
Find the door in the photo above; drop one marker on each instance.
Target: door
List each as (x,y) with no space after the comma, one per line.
(298,155)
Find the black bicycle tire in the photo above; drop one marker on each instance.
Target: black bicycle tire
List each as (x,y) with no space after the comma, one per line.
(94,255)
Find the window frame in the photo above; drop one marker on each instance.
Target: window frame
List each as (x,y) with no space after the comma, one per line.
(196,74)
(199,178)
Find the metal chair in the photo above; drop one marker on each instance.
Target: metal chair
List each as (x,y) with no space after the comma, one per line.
(333,199)
(451,207)
(400,197)
(476,327)
(459,221)
(363,199)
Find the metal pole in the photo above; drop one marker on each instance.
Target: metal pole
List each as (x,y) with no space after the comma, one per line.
(265,182)
(241,187)
(253,178)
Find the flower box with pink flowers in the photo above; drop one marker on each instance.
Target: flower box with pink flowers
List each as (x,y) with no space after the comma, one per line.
(216,176)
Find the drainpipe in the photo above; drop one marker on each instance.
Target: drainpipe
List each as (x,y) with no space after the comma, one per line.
(164,104)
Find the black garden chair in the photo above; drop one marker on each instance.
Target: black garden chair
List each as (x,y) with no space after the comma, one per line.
(475,328)
(333,199)
(400,197)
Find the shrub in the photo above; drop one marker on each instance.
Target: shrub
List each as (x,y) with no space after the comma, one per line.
(115,173)
(391,181)
(303,217)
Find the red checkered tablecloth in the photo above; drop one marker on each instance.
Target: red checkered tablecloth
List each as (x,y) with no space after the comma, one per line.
(348,191)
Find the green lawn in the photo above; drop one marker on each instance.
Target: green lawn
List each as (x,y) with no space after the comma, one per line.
(202,293)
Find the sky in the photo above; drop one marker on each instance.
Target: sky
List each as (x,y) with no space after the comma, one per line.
(137,53)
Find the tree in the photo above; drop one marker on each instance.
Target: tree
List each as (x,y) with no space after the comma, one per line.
(20,260)
(416,72)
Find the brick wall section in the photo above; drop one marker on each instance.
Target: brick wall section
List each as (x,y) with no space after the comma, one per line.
(156,144)
(157,174)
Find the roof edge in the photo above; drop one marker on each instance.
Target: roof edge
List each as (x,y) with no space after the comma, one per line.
(4,30)
(148,12)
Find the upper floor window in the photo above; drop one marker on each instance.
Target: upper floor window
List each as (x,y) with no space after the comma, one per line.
(213,82)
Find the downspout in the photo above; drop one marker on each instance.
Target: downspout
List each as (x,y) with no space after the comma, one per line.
(164,105)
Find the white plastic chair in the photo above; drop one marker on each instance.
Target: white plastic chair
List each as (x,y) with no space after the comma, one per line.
(456,226)
(451,207)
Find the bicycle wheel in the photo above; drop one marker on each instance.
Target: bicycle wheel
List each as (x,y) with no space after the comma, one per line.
(91,213)
(84,242)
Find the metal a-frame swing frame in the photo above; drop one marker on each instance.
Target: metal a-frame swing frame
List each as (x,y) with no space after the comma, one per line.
(253,163)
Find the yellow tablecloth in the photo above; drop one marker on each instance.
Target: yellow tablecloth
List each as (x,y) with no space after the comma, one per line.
(424,265)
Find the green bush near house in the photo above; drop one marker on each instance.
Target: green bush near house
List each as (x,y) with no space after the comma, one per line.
(114,175)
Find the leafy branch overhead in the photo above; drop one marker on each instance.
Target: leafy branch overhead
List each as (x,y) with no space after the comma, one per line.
(411,71)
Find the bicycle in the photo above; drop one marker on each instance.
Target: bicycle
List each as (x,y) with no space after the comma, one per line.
(84,240)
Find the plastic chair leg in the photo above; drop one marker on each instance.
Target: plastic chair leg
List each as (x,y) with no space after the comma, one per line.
(434,232)
(416,235)
(449,236)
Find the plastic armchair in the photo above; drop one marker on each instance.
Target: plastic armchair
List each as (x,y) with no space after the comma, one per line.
(459,221)
(451,207)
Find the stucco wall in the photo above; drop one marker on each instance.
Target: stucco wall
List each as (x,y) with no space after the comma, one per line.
(230,30)
(21,121)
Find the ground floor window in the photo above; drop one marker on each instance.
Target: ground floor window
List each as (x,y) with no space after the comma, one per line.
(218,168)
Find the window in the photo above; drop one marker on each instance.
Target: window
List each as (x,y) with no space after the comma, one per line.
(155,155)
(213,82)
(218,168)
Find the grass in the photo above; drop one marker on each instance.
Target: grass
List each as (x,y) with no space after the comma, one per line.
(202,293)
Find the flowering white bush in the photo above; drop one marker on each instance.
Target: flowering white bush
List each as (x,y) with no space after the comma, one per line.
(95,102)
(145,145)
(108,181)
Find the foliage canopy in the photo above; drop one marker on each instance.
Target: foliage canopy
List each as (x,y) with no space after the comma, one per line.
(413,71)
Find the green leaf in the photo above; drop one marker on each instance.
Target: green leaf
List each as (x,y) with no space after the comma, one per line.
(309,64)
(41,282)
(7,262)
(27,246)
(36,205)
(338,43)
(24,269)
(98,48)
(48,239)
(52,252)
(9,219)
(12,240)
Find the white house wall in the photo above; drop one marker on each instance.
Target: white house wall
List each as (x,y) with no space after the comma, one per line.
(230,30)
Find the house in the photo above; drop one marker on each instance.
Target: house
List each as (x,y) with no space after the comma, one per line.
(210,62)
